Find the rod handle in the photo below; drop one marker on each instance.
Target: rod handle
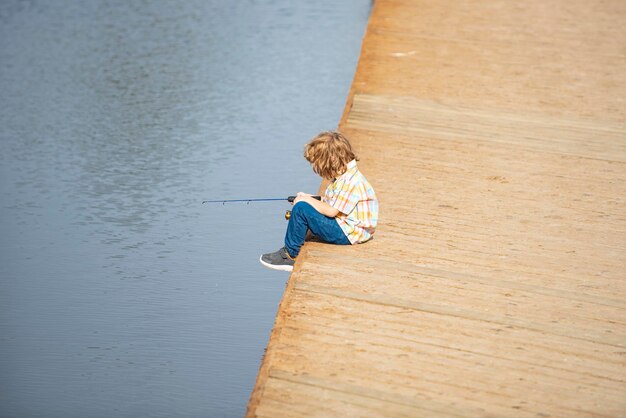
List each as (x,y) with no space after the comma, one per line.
(290,199)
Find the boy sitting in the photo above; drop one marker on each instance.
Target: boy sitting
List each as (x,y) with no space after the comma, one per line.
(346,214)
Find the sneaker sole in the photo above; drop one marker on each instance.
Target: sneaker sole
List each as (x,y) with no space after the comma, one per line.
(275,267)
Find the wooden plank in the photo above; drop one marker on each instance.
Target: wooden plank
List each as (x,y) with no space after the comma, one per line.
(408,115)
(602,333)
(425,330)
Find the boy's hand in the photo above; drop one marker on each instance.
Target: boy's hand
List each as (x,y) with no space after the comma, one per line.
(300,196)
(320,206)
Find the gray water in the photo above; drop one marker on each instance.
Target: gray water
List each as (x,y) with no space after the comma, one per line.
(120,293)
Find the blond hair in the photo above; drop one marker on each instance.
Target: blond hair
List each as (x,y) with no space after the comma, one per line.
(329,153)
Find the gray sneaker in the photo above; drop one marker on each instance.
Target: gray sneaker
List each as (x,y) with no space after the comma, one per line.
(278,260)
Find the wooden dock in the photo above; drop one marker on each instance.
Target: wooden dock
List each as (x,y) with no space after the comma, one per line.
(495,136)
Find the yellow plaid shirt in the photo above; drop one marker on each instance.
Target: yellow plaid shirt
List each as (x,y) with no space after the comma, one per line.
(354,198)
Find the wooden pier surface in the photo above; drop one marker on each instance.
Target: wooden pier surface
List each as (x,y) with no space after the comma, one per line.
(494,133)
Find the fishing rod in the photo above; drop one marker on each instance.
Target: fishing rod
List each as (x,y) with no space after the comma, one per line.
(289,199)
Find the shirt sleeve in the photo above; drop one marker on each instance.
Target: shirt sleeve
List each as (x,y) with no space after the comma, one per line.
(343,196)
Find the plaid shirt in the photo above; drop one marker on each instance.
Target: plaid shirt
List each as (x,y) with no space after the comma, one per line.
(354,198)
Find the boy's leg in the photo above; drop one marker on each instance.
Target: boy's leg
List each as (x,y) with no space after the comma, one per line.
(303,218)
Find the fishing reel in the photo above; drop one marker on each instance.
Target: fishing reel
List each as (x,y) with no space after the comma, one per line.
(287,215)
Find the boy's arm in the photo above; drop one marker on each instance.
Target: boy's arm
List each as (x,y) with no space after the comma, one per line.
(320,206)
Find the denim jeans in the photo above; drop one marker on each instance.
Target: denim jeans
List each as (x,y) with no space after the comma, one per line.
(304,217)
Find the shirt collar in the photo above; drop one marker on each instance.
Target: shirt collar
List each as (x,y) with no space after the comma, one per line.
(350,168)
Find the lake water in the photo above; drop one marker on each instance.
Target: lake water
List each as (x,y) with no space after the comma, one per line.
(120,293)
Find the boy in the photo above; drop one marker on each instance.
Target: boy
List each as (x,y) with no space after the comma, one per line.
(346,214)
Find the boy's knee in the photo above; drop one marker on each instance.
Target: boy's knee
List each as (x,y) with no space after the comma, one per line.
(301,207)
(302,210)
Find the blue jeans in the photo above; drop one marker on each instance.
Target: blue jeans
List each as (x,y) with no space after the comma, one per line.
(304,217)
